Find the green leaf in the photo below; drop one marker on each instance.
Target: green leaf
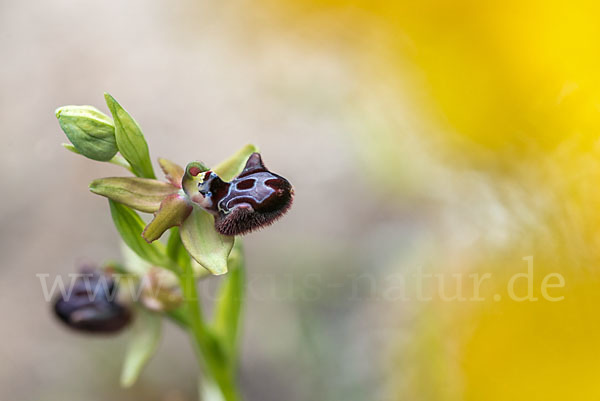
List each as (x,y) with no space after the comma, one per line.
(130,140)
(204,243)
(134,264)
(231,167)
(91,132)
(143,194)
(142,347)
(174,209)
(230,300)
(130,226)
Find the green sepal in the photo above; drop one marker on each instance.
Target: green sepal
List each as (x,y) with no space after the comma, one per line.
(91,132)
(130,140)
(174,209)
(142,346)
(229,168)
(204,243)
(130,226)
(143,194)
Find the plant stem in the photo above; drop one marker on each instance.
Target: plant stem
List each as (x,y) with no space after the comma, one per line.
(119,160)
(208,349)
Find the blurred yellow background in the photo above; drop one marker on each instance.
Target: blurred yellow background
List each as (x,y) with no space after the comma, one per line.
(456,137)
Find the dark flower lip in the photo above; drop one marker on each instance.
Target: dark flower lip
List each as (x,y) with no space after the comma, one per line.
(254,199)
(91,306)
(243,219)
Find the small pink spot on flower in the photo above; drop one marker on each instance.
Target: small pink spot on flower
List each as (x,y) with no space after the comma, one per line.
(195,171)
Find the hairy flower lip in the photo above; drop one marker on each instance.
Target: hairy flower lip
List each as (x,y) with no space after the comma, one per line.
(255,198)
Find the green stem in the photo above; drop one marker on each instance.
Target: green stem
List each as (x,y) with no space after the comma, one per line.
(119,160)
(208,349)
(180,317)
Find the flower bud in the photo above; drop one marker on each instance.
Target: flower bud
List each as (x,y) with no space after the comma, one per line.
(92,306)
(91,132)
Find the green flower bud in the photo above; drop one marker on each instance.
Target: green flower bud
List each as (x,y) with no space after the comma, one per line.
(91,132)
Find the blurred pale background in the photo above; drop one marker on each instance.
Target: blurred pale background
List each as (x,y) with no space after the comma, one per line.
(455,136)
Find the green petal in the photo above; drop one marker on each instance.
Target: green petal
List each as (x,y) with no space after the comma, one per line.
(91,132)
(130,226)
(143,194)
(142,346)
(204,243)
(173,211)
(173,172)
(230,168)
(130,140)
